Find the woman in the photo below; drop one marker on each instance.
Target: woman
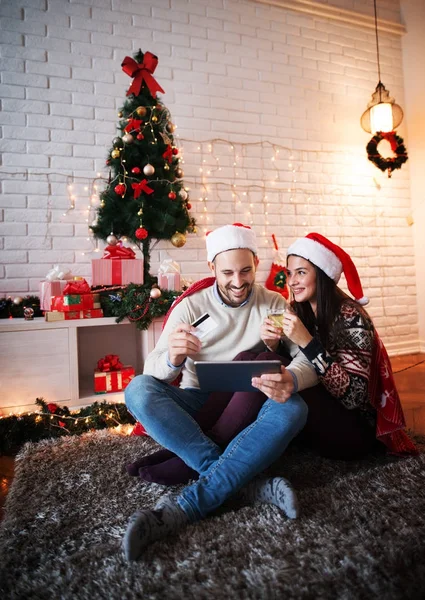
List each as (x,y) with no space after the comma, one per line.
(356,408)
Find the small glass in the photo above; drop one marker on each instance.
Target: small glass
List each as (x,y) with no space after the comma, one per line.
(276,316)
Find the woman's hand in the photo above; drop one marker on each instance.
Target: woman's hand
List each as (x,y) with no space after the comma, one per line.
(295,330)
(276,386)
(270,334)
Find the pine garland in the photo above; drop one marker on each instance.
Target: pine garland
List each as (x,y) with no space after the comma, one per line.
(53,421)
(134,302)
(8,308)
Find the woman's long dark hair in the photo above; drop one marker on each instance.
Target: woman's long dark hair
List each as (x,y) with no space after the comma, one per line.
(329,300)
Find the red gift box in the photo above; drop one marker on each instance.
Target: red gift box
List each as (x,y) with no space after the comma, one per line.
(72,302)
(112,381)
(93,313)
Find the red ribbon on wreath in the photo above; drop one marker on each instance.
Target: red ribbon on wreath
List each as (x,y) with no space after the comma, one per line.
(390,137)
(111,362)
(140,187)
(142,73)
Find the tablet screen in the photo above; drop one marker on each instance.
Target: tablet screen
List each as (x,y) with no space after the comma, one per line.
(233,376)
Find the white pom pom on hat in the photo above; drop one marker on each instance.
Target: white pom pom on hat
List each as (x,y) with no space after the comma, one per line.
(332,259)
(230,237)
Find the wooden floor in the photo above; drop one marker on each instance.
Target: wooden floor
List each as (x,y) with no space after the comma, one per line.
(410,379)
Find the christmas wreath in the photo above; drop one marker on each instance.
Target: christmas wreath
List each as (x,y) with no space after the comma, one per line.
(397,146)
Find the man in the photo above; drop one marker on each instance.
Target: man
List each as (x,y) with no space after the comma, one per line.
(238,306)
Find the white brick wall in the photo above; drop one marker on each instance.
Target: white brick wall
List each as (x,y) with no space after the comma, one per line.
(247,73)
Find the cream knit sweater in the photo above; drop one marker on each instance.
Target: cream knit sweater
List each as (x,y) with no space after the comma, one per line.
(238,330)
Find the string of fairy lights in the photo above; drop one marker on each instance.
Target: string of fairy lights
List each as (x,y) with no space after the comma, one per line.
(276,189)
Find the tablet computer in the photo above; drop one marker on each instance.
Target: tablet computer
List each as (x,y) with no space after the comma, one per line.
(232,376)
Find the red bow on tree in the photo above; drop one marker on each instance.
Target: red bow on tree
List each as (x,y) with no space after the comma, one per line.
(168,154)
(142,73)
(133,125)
(111,362)
(140,187)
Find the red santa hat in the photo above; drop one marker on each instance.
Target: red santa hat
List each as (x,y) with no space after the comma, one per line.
(230,237)
(332,259)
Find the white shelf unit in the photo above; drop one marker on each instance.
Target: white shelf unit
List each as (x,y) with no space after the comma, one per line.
(56,361)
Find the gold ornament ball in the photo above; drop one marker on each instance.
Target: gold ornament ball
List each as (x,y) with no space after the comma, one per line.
(166,167)
(170,127)
(179,173)
(115,153)
(120,114)
(141,111)
(154,119)
(178,240)
(17,300)
(155,293)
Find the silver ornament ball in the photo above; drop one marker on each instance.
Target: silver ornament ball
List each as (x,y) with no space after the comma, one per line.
(128,138)
(112,240)
(183,194)
(155,293)
(148,169)
(17,300)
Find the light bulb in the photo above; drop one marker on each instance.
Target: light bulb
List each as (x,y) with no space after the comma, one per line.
(381,117)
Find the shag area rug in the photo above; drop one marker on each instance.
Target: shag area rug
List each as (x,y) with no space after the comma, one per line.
(361,533)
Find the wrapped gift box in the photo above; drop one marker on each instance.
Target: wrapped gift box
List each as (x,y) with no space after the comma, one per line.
(49,289)
(117,272)
(112,381)
(93,313)
(169,281)
(72,302)
(63,316)
(73,314)
(169,275)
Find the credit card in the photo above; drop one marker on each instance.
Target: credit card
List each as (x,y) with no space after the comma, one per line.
(203,325)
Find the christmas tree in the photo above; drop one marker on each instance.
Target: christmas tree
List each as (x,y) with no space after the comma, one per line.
(145,199)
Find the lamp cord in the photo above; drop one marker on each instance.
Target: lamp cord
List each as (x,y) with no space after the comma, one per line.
(377,44)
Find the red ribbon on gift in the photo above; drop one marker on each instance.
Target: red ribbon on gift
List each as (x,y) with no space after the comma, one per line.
(140,187)
(133,125)
(118,252)
(390,137)
(142,73)
(111,362)
(168,154)
(76,287)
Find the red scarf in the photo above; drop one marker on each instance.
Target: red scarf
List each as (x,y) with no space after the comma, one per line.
(384,398)
(195,287)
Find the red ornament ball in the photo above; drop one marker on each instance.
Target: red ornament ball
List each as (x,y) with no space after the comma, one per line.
(175,151)
(188,206)
(141,233)
(135,170)
(140,136)
(120,189)
(172,196)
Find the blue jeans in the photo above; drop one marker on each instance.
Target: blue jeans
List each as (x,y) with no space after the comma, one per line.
(166,413)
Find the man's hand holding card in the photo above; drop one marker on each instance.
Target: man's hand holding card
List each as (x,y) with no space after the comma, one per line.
(185,340)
